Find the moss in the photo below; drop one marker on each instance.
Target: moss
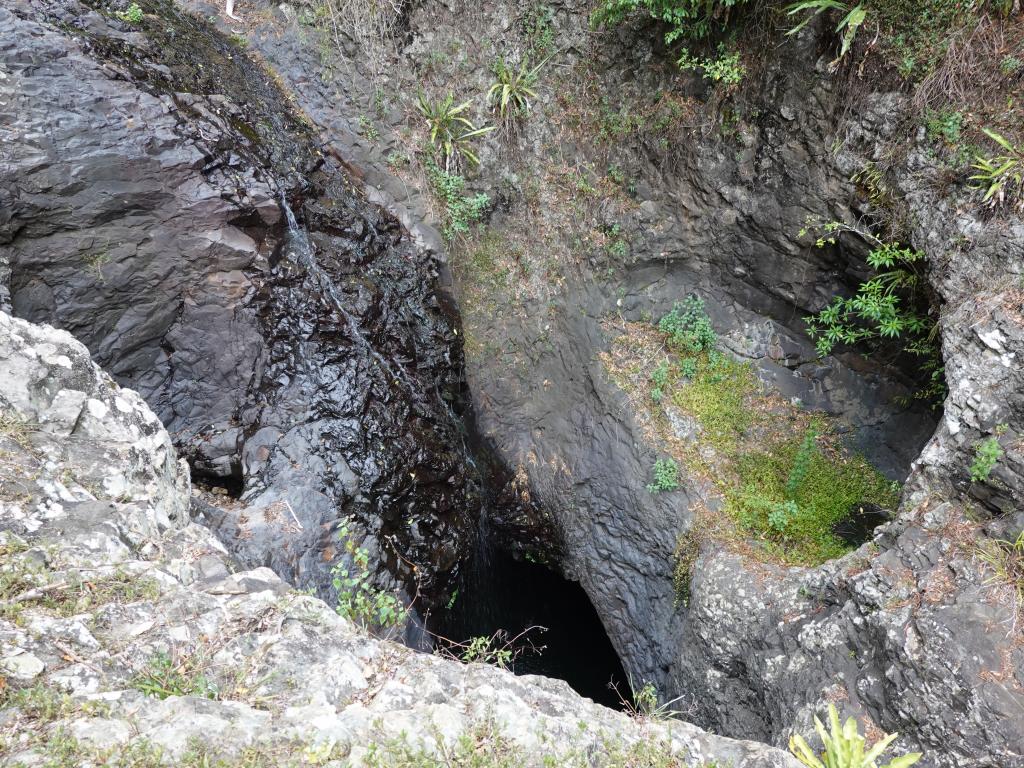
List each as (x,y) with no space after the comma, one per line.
(833,484)
(717,397)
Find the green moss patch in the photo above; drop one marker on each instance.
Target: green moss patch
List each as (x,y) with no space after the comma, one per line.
(783,475)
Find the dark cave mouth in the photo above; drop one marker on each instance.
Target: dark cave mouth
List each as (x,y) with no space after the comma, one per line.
(514,599)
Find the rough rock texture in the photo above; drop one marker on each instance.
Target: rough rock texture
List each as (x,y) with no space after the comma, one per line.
(310,367)
(905,632)
(104,577)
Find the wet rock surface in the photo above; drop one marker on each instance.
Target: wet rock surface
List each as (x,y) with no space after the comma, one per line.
(761,647)
(145,177)
(134,636)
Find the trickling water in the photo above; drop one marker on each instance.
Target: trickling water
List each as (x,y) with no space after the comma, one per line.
(299,251)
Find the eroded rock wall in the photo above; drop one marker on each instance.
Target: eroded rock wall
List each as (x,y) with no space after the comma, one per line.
(130,635)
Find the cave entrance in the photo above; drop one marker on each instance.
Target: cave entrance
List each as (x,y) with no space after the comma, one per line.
(501,593)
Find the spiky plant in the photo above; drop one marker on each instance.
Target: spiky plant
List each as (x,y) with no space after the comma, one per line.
(512,90)
(853,17)
(845,747)
(451,132)
(1001,176)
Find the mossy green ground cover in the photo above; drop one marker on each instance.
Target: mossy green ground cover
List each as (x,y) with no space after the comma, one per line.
(783,475)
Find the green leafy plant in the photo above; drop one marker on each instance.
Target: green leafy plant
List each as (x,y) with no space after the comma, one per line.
(694,19)
(451,132)
(666,476)
(358,600)
(162,677)
(659,378)
(513,88)
(481,649)
(688,326)
(725,68)
(882,309)
(537,26)
(986,455)
(853,18)
(845,747)
(802,463)
(460,210)
(132,14)
(1001,177)
(946,126)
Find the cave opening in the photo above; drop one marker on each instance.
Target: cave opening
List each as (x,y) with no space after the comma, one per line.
(499,593)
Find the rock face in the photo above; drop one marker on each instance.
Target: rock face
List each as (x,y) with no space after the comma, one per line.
(127,634)
(311,367)
(908,632)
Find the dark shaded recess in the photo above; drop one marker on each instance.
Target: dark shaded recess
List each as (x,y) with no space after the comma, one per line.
(860,526)
(499,592)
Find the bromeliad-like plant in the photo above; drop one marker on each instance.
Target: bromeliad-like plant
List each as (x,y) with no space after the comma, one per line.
(846,748)
(853,18)
(451,132)
(1001,176)
(513,88)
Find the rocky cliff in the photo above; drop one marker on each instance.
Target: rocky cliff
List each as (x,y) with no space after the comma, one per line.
(630,186)
(129,636)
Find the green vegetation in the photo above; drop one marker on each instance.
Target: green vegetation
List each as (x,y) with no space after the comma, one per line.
(537,27)
(786,481)
(513,88)
(358,599)
(793,496)
(716,396)
(132,14)
(688,327)
(666,476)
(460,210)
(946,126)
(1006,559)
(986,455)
(451,132)
(686,19)
(162,677)
(852,18)
(1001,177)
(882,310)
(846,748)
(725,68)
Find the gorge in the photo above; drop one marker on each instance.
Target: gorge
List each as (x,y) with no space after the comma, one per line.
(469,371)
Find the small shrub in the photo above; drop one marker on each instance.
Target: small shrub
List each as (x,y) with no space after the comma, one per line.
(1001,177)
(845,747)
(512,90)
(537,26)
(688,367)
(666,476)
(945,126)
(688,326)
(883,309)
(358,599)
(460,210)
(659,378)
(451,132)
(693,19)
(986,455)
(1011,65)
(132,14)
(853,18)
(725,68)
